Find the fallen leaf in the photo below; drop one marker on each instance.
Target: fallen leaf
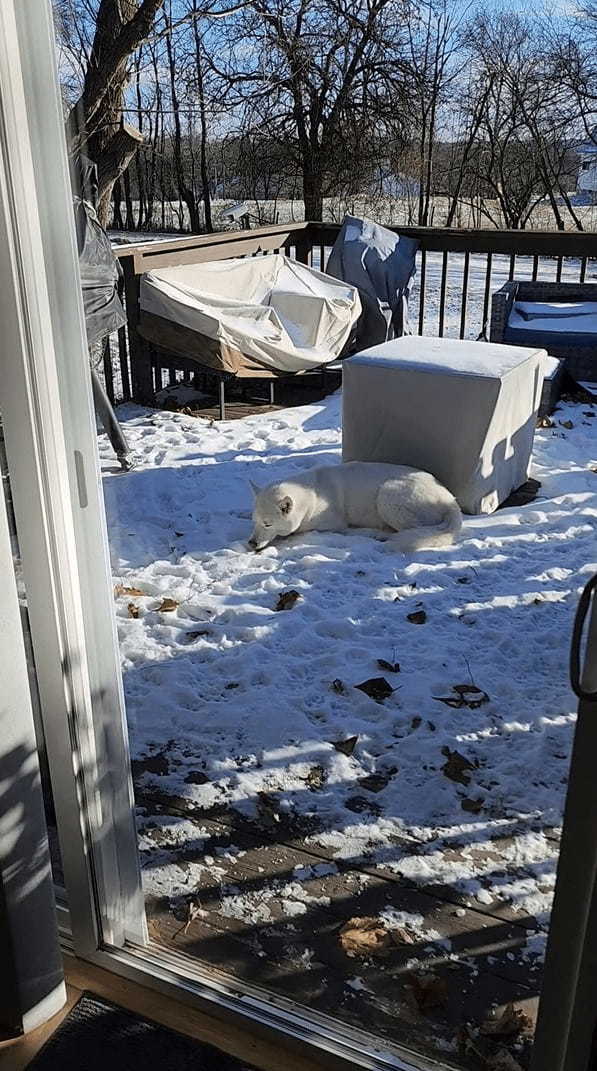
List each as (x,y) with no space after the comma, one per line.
(167,605)
(566,424)
(392,667)
(474,806)
(419,617)
(376,688)
(133,610)
(375,782)
(286,600)
(230,687)
(365,936)
(416,722)
(456,766)
(122,589)
(346,747)
(196,777)
(400,936)
(316,778)
(464,697)
(362,805)
(512,1021)
(427,991)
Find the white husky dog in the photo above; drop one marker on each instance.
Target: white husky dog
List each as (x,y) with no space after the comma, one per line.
(358,494)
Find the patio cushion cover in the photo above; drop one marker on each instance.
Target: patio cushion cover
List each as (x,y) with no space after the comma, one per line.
(276,311)
(465,411)
(552,324)
(381,264)
(99,270)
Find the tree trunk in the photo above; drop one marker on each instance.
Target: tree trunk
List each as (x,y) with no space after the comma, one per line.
(94,124)
(203,120)
(117,220)
(312,194)
(115,157)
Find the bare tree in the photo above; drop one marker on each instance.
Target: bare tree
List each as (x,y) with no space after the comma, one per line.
(311,73)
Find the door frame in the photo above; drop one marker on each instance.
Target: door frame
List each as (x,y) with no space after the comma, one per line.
(45,396)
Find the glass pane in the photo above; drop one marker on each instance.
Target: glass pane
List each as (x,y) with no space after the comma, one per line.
(349,763)
(33,685)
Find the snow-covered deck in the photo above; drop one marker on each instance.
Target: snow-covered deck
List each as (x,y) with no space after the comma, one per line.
(276,799)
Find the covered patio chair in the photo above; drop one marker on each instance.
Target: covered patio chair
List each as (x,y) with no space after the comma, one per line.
(101,285)
(250,318)
(381,265)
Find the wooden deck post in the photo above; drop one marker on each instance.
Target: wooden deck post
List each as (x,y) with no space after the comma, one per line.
(139,354)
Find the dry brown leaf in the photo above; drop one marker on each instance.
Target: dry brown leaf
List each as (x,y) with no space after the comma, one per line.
(427,991)
(474,806)
(467,695)
(122,589)
(512,1021)
(375,782)
(566,424)
(346,747)
(419,617)
(391,667)
(316,778)
(133,610)
(365,936)
(376,688)
(400,936)
(456,766)
(286,600)
(167,605)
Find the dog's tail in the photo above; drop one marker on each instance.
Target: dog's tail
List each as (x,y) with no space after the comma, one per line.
(431,535)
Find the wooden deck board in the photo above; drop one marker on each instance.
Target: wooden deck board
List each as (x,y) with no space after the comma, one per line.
(479,955)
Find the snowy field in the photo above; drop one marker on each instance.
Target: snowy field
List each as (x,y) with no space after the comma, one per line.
(445,786)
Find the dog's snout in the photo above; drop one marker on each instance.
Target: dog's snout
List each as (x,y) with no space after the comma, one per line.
(253,542)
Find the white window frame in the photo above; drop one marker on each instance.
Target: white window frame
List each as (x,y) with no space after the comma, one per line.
(49,424)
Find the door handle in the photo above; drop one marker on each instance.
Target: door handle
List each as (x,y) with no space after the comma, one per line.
(576,670)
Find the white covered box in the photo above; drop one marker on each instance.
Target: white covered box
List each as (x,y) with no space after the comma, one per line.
(465,411)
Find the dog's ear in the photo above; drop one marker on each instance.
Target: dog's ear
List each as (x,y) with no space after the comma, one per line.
(255,488)
(285,504)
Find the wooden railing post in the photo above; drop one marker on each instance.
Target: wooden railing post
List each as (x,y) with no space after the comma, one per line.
(303,244)
(139,355)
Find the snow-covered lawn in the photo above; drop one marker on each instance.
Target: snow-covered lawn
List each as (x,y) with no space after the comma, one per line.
(253,702)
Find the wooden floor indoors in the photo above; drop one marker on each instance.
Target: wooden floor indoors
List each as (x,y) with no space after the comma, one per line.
(235,1040)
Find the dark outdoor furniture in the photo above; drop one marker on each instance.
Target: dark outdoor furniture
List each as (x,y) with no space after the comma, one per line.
(576,347)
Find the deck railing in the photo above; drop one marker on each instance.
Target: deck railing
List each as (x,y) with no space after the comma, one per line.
(457,272)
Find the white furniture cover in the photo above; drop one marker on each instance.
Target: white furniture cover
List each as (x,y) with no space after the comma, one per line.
(564,316)
(465,411)
(277,311)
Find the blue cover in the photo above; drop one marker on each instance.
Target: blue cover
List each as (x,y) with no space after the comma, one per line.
(381,264)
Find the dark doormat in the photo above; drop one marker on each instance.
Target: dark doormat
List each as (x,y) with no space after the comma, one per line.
(100,1036)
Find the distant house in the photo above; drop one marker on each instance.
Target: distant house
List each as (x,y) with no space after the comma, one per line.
(587,174)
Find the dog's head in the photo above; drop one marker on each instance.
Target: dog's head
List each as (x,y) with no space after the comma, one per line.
(273,515)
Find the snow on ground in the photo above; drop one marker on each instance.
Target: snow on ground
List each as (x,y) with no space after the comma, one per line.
(253,700)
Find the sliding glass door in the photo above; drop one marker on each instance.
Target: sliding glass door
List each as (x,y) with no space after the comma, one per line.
(231,886)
